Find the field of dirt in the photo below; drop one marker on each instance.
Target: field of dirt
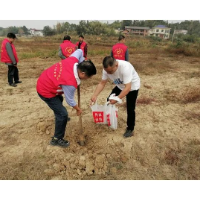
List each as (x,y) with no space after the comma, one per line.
(166,144)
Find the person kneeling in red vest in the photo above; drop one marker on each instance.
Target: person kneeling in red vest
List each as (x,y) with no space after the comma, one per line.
(63,77)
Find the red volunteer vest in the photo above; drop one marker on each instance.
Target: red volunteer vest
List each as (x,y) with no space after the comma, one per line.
(82,46)
(119,51)
(67,48)
(4,55)
(62,73)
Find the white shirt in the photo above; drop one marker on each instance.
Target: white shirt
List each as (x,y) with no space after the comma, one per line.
(76,74)
(124,74)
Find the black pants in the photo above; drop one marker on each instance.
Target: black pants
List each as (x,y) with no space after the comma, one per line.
(13,73)
(130,101)
(60,112)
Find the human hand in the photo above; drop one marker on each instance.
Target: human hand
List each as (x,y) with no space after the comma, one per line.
(115,98)
(112,101)
(93,100)
(78,112)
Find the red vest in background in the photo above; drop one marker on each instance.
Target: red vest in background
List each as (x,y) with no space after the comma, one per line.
(62,73)
(4,55)
(119,51)
(67,48)
(82,46)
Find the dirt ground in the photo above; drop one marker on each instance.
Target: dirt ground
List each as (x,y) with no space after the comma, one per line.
(166,144)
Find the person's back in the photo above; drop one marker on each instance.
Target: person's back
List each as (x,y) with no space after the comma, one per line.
(48,84)
(66,48)
(120,50)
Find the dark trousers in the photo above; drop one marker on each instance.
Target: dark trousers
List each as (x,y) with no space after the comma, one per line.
(130,101)
(13,73)
(60,112)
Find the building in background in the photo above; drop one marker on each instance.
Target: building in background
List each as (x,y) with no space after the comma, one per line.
(36,32)
(136,30)
(157,31)
(160,31)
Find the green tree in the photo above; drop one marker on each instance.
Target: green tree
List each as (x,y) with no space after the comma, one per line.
(20,31)
(48,31)
(116,24)
(126,23)
(96,28)
(82,28)
(12,29)
(25,30)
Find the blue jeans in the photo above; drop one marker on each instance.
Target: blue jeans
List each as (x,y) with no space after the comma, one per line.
(60,112)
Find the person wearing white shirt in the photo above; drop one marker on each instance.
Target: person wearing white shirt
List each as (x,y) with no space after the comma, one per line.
(127,82)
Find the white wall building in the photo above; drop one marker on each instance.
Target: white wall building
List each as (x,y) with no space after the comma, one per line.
(160,31)
(35,32)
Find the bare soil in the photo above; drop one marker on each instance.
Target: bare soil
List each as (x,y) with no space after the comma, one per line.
(166,141)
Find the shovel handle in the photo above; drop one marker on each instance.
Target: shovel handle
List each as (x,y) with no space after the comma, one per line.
(79,105)
(79,96)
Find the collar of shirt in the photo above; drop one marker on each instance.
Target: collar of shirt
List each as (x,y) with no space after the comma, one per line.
(76,74)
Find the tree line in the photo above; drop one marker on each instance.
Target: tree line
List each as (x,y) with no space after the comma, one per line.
(99,28)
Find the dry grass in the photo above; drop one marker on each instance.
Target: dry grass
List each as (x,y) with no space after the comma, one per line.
(171,157)
(147,86)
(160,149)
(191,95)
(184,48)
(190,75)
(152,66)
(192,115)
(144,100)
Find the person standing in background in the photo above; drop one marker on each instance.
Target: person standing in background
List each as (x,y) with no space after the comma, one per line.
(82,45)
(66,48)
(120,50)
(9,57)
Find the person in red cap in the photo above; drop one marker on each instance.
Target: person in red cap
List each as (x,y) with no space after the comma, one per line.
(66,48)
(9,57)
(82,45)
(120,50)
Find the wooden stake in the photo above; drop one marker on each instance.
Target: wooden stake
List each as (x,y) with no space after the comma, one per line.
(81,136)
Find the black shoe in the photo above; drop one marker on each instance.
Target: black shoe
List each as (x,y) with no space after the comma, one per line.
(13,84)
(59,142)
(128,133)
(18,82)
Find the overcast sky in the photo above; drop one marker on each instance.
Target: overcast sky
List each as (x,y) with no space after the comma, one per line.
(40,23)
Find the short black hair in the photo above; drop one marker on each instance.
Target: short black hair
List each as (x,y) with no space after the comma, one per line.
(108,61)
(121,37)
(11,35)
(81,36)
(67,37)
(88,67)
